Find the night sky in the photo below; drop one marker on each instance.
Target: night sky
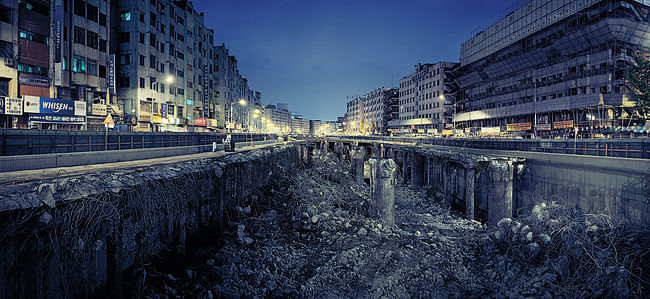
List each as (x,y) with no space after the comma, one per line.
(315,54)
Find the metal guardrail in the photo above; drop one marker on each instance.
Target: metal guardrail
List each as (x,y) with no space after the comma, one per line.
(623,148)
(26,142)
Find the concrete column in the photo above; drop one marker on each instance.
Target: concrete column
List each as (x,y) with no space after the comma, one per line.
(358,153)
(500,190)
(405,167)
(417,169)
(383,191)
(446,181)
(470,176)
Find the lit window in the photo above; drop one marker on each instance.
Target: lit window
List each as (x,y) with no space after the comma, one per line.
(126,16)
(79,64)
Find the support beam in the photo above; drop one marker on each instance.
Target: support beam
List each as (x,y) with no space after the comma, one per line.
(500,190)
(383,191)
(470,176)
(417,169)
(358,154)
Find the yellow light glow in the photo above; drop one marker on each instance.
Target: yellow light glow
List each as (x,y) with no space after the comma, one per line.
(242,102)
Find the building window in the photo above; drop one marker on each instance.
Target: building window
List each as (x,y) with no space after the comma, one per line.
(180,20)
(79,35)
(152,40)
(6,14)
(141,82)
(123,82)
(79,64)
(180,37)
(180,91)
(91,12)
(162,88)
(125,16)
(152,19)
(92,39)
(125,37)
(102,19)
(64,64)
(180,73)
(92,67)
(142,17)
(80,8)
(41,39)
(102,71)
(125,59)
(142,38)
(162,68)
(180,111)
(152,62)
(180,55)
(102,45)
(142,58)
(189,84)
(28,68)
(152,81)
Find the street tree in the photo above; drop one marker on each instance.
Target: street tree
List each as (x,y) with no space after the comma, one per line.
(638,82)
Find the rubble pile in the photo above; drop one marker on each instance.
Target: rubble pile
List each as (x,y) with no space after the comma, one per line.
(558,251)
(316,240)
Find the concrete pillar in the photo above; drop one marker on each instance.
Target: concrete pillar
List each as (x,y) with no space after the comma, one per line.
(500,190)
(383,191)
(357,159)
(405,167)
(417,169)
(470,176)
(446,181)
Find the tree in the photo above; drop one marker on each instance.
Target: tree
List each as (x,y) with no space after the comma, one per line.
(638,82)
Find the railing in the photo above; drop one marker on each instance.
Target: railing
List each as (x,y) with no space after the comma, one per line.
(25,142)
(623,148)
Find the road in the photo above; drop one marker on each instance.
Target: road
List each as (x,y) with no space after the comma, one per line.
(16,177)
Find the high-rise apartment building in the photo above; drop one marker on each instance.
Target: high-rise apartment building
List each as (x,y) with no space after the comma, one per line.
(552,66)
(371,113)
(426,98)
(277,120)
(8,58)
(165,65)
(79,47)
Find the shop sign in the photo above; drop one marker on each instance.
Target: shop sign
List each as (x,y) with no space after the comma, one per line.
(447,132)
(189,101)
(144,117)
(49,118)
(201,122)
(490,130)
(563,124)
(79,108)
(156,119)
(212,122)
(543,127)
(519,127)
(163,110)
(99,109)
(32,104)
(206,90)
(111,74)
(57,106)
(12,106)
(2,105)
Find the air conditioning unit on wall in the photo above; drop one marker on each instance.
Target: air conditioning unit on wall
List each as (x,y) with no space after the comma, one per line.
(10,62)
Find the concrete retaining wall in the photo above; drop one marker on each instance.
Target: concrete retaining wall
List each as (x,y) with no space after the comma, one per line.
(618,187)
(66,237)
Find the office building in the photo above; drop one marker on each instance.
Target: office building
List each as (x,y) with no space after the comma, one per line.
(549,66)
(426,98)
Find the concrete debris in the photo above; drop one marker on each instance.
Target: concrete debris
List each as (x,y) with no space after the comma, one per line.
(319,241)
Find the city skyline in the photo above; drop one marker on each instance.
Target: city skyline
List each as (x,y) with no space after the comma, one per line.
(317,56)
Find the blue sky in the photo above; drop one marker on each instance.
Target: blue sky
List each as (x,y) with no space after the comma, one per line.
(314,54)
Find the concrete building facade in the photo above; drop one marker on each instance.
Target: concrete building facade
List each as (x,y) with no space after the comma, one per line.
(550,66)
(426,99)
(8,58)
(372,113)
(277,120)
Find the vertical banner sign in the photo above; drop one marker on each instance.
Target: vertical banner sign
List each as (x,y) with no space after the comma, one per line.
(58,46)
(163,110)
(206,90)
(2,105)
(13,106)
(111,74)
